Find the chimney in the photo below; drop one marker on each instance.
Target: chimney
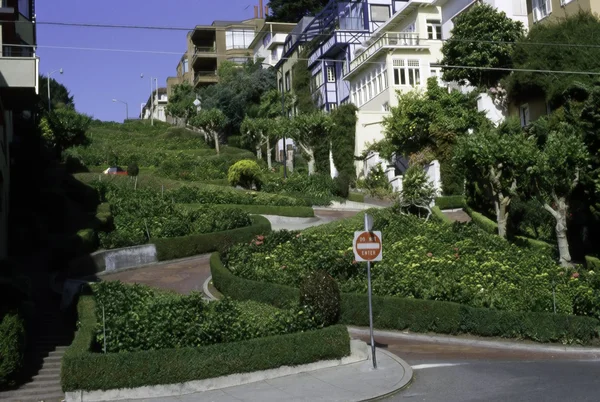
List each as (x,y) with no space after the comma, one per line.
(255,11)
(261,8)
(266,11)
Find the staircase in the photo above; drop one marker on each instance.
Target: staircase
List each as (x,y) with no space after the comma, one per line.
(50,333)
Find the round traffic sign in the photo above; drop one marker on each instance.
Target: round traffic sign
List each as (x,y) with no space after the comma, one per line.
(368,246)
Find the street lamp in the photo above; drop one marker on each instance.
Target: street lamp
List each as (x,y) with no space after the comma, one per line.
(151,98)
(48,78)
(126,108)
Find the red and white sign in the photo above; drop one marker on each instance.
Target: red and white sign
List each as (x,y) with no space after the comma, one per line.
(367,246)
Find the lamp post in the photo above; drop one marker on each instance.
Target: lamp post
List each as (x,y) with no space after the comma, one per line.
(48,78)
(126,108)
(151,98)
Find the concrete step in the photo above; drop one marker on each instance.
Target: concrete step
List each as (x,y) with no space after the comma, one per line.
(38,383)
(53,359)
(39,393)
(48,376)
(49,371)
(51,365)
(57,397)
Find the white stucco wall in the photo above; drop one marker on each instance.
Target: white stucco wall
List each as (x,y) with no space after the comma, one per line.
(368,130)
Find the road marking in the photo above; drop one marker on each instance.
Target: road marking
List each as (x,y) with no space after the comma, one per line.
(433,365)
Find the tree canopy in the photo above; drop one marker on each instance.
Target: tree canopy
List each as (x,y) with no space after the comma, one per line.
(546,47)
(59,94)
(293,11)
(181,102)
(342,137)
(481,37)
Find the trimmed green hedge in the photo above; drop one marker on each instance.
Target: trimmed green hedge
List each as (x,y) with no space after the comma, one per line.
(592,263)
(185,246)
(482,221)
(82,369)
(439,215)
(12,347)
(104,217)
(356,197)
(301,212)
(422,315)
(534,244)
(450,202)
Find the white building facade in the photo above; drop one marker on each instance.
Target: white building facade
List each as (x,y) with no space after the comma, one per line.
(157,107)
(400,56)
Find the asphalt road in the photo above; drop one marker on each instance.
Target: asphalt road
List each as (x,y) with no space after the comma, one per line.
(455,373)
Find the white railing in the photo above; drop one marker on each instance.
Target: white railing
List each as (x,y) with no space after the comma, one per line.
(387,40)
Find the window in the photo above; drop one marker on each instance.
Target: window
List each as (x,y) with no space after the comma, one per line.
(380,13)
(330,73)
(288,81)
(563,2)
(238,60)
(434,29)
(436,72)
(541,9)
(24,9)
(317,80)
(371,85)
(524,114)
(407,72)
(281,85)
(238,38)
(185,66)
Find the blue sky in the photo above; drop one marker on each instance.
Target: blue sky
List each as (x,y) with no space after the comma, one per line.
(96,77)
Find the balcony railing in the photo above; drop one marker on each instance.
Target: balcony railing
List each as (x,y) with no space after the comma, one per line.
(204,76)
(341,37)
(205,49)
(388,40)
(19,67)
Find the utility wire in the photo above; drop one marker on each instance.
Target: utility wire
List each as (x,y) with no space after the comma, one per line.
(216,28)
(527,70)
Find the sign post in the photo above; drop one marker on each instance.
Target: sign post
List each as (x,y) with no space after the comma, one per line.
(367,247)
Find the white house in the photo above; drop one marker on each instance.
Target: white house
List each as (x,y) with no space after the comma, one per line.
(156,106)
(268,42)
(400,56)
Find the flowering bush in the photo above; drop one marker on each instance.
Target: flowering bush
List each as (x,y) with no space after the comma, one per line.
(424,260)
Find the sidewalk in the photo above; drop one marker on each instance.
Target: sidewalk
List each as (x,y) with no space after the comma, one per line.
(347,383)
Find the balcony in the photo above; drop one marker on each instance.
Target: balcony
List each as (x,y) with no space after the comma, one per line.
(201,52)
(205,77)
(339,38)
(19,67)
(389,41)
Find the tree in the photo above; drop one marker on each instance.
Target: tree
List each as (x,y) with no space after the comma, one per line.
(342,137)
(580,28)
(482,37)
(293,11)
(59,95)
(309,130)
(417,190)
(426,126)
(239,92)
(499,157)
(212,122)
(181,103)
(270,104)
(305,100)
(64,128)
(559,165)
(259,132)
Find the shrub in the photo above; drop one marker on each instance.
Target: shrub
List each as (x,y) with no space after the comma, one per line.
(422,315)
(341,185)
(133,170)
(376,183)
(417,191)
(592,263)
(356,197)
(12,347)
(245,173)
(301,212)
(317,189)
(450,202)
(186,246)
(321,294)
(212,195)
(84,370)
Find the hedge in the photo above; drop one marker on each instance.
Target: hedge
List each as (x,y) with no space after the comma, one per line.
(12,347)
(439,215)
(104,217)
(482,221)
(422,315)
(539,245)
(186,246)
(450,202)
(301,212)
(83,369)
(356,197)
(592,263)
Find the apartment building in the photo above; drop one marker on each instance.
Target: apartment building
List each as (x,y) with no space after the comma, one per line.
(19,69)
(292,49)
(399,56)
(268,42)
(156,105)
(209,45)
(551,10)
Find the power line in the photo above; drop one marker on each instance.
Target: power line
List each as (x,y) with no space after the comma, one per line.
(327,60)
(327,35)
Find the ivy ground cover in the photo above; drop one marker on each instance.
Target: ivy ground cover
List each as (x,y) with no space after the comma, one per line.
(424,260)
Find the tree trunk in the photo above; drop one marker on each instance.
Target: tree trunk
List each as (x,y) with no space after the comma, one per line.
(258,153)
(216,137)
(560,215)
(501,204)
(269,164)
(311,162)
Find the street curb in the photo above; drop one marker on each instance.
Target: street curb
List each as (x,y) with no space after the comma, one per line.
(594,352)
(206,291)
(154,264)
(404,383)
